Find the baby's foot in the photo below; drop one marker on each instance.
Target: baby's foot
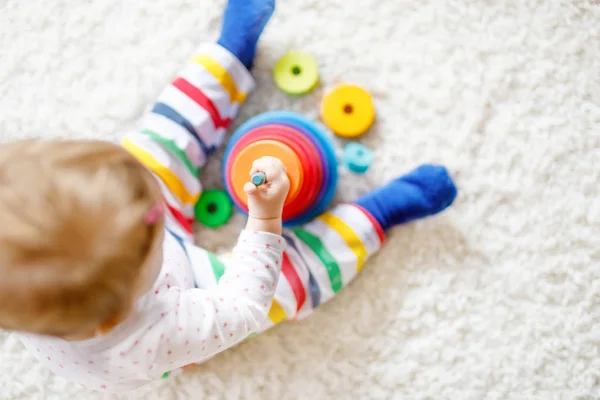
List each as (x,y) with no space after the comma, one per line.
(243,23)
(425,191)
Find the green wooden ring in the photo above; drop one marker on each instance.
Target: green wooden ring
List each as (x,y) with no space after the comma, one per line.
(296,73)
(214,208)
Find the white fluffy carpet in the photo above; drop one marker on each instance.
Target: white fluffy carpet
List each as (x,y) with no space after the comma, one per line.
(499,298)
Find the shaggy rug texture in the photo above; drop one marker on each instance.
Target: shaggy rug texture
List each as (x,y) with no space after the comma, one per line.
(498,298)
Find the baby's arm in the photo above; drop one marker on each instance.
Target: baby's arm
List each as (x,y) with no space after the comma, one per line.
(202,323)
(206,322)
(187,123)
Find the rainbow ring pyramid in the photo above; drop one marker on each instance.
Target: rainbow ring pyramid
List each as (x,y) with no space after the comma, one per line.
(302,146)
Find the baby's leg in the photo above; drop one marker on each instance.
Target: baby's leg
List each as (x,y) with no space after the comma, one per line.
(324,255)
(189,120)
(424,191)
(243,22)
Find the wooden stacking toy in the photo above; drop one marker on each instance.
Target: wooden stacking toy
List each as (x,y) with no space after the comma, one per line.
(302,146)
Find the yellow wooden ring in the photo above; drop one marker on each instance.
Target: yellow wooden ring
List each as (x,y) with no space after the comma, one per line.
(348,110)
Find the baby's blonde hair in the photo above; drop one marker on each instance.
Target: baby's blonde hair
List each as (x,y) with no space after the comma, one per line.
(72,234)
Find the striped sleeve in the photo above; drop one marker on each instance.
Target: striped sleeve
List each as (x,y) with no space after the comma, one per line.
(186,124)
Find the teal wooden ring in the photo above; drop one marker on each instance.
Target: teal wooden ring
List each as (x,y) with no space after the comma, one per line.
(258,178)
(357,158)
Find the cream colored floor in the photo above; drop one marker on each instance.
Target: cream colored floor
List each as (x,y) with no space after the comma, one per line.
(499,298)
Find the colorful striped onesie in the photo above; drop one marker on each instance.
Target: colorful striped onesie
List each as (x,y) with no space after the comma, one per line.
(202,304)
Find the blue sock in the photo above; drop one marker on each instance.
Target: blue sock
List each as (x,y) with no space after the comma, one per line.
(423,192)
(243,22)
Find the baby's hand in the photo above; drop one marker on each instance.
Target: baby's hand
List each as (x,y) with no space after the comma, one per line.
(265,202)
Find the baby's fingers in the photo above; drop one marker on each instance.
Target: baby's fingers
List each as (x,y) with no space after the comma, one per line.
(250,189)
(270,166)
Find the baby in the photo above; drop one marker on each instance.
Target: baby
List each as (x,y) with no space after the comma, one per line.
(99,274)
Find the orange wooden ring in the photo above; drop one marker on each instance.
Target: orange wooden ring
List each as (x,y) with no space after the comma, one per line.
(240,169)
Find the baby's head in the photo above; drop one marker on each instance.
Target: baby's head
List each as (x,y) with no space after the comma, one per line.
(75,242)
